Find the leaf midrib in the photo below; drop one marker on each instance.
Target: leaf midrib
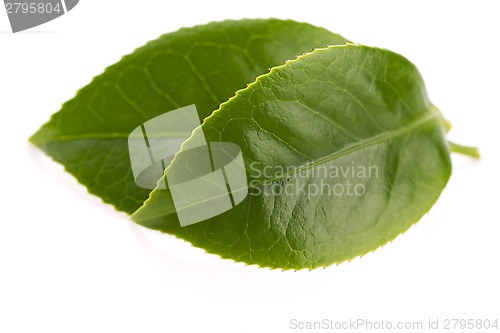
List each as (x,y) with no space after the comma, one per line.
(360,145)
(104,136)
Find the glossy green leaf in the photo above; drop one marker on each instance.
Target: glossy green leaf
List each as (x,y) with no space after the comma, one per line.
(334,108)
(342,148)
(203,65)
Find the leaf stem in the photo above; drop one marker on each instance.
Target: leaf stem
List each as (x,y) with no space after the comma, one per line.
(469,151)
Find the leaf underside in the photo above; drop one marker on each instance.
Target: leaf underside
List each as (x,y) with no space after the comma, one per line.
(203,65)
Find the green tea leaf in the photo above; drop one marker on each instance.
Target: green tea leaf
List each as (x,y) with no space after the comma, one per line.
(342,149)
(203,65)
(342,108)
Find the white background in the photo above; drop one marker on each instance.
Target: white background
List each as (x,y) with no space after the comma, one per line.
(69,263)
